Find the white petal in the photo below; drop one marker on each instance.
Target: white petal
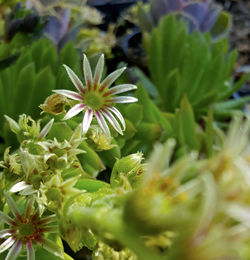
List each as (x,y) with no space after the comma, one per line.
(5,218)
(87,72)
(74,78)
(19,186)
(111,78)
(112,120)
(124,99)
(5,233)
(13,207)
(28,191)
(30,251)
(87,120)
(122,88)
(14,251)
(74,111)
(7,244)
(119,115)
(98,71)
(101,121)
(69,94)
(46,129)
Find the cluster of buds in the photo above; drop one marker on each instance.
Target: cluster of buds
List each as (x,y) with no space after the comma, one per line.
(36,168)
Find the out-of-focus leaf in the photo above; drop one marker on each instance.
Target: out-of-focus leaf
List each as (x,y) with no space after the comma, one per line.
(91,185)
(222,26)
(24,88)
(44,84)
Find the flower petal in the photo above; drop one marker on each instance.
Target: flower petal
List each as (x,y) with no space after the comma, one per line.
(19,186)
(5,218)
(7,244)
(28,191)
(69,94)
(30,250)
(112,120)
(5,233)
(29,207)
(52,247)
(87,72)
(98,71)
(119,115)
(101,121)
(75,80)
(13,207)
(124,99)
(46,129)
(87,120)
(74,111)
(122,88)
(14,251)
(111,78)
(47,220)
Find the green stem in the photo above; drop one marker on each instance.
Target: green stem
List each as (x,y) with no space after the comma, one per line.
(112,222)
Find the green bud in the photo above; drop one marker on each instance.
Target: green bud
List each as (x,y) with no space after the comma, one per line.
(98,140)
(130,166)
(54,104)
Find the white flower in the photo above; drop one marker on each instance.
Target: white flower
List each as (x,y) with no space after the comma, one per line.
(26,231)
(97,99)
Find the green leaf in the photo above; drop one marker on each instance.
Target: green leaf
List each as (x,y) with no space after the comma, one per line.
(91,185)
(50,58)
(222,25)
(231,90)
(38,50)
(23,90)
(90,158)
(144,100)
(232,104)
(69,56)
(61,131)
(187,122)
(209,133)
(134,112)
(109,156)
(172,91)
(44,84)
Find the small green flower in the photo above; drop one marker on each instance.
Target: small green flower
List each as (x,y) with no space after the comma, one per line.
(28,129)
(27,230)
(97,99)
(56,191)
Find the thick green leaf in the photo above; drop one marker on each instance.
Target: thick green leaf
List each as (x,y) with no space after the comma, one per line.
(69,57)
(61,131)
(50,58)
(187,121)
(222,25)
(209,133)
(44,84)
(23,90)
(91,185)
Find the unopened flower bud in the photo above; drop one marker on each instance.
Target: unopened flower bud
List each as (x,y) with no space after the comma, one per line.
(54,104)
(130,166)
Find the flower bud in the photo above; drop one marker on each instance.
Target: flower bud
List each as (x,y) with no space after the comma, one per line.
(54,104)
(130,166)
(98,140)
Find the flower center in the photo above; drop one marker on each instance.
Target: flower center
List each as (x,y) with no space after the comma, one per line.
(26,229)
(94,100)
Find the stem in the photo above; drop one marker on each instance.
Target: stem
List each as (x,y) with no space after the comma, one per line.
(112,222)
